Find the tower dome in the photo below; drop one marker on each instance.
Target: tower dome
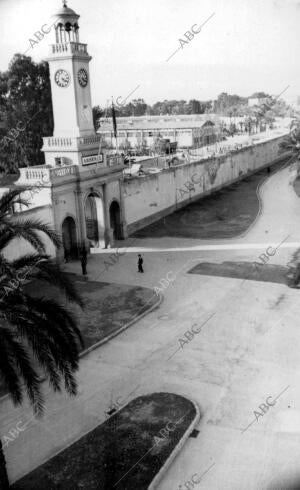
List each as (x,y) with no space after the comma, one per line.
(66,25)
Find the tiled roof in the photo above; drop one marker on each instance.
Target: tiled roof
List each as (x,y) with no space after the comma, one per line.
(149,124)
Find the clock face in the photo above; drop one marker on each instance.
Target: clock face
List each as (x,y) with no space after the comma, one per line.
(62,78)
(82,77)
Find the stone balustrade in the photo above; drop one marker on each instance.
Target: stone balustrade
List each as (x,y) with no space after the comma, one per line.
(70,143)
(43,176)
(38,175)
(67,48)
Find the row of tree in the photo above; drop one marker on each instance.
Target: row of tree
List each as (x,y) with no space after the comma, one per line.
(26,111)
(224,105)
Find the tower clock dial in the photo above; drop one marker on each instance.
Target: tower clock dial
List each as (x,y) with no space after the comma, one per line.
(82,77)
(62,78)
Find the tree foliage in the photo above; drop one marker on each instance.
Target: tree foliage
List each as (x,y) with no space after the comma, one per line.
(292,142)
(26,112)
(34,329)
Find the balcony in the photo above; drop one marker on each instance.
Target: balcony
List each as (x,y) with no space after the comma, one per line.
(77,143)
(38,175)
(68,48)
(43,176)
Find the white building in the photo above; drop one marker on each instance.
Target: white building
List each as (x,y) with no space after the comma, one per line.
(258,101)
(79,189)
(143,131)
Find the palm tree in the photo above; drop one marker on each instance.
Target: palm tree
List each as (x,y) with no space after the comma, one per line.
(35,332)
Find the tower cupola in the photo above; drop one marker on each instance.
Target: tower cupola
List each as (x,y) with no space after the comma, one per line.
(66,25)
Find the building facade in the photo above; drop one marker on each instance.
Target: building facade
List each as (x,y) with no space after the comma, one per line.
(79,189)
(258,101)
(144,132)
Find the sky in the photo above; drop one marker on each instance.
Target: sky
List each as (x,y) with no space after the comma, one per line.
(244,46)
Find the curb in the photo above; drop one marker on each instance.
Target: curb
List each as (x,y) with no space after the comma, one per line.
(112,335)
(259,197)
(177,448)
(168,462)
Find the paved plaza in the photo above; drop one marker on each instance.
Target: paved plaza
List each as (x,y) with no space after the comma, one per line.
(245,354)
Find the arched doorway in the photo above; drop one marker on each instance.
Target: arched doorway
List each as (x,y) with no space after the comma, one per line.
(115,220)
(94,219)
(69,237)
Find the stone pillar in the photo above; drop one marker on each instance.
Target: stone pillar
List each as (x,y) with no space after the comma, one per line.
(122,208)
(59,252)
(108,232)
(80,218)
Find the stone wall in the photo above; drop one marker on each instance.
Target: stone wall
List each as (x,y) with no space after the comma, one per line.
(148,198)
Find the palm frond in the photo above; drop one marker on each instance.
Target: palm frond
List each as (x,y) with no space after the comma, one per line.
(40,319)
(10,233)
(34,329)
(43,349)
(9,199)
(14,352)
(28,230)
(28,261)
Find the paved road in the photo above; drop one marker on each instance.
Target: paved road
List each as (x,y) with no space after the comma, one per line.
(246,353)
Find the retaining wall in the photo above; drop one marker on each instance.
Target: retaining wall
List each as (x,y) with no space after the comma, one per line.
(150,197)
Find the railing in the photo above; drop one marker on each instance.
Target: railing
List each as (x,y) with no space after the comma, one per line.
(43,176)
(71,47)
(64,171)
(71,142)
(34,175)
(88,140)
(59,141)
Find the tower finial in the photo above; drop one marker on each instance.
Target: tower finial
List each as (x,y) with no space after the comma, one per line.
(65,3)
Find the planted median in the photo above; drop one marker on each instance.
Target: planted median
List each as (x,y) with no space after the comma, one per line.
(126,452)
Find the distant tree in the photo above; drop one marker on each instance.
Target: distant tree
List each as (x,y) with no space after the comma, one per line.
(291,142)
(194,107)
(226,104)
(98,113)
(249,124)
(140,107)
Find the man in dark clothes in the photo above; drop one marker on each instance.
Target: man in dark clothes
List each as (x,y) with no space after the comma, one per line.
(84,261)
(140,264)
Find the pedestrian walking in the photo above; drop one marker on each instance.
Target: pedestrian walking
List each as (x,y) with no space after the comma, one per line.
(83,261)
(140,263)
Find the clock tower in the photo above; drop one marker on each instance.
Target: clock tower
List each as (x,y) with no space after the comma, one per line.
(69,76)
(87,197)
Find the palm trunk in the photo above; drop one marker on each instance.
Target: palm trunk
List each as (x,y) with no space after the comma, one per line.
(4,483)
